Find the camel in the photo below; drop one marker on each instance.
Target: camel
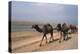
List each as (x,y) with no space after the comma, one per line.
(59,28)
(47,28)
(63,31)
(73,28)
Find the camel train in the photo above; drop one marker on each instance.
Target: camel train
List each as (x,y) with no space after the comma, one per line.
(62,31)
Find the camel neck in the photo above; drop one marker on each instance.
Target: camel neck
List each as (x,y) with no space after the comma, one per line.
(38,29)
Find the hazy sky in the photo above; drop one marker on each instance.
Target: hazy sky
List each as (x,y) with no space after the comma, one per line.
(44,12)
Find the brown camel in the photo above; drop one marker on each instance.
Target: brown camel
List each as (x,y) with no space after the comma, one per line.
(47,28)
(63,31)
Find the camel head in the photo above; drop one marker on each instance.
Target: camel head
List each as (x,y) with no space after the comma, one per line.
(34,26)
(58,27)
(37,28)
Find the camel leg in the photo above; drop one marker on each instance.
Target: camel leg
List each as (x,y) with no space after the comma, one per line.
(46,39)
(58,33)
(64,34)
(50,39)
(60,37)
(52,36)
(42,40)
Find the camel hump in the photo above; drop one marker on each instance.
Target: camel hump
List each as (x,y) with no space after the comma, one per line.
(47,27)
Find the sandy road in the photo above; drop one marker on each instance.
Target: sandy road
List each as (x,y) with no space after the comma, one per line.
(33,45)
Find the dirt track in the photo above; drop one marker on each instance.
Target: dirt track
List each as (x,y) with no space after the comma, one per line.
(33,45)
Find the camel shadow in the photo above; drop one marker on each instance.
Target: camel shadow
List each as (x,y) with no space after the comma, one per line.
(58,39)
(68,38)
(53,40)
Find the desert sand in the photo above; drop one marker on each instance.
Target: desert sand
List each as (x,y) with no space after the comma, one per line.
(28,41)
